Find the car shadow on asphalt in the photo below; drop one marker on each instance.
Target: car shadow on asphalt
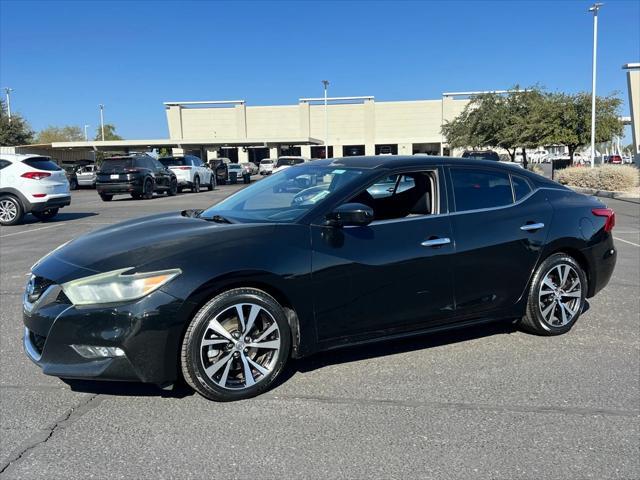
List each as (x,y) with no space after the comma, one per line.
(60,217)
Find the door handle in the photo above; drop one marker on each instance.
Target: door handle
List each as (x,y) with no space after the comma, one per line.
(532,226)
(436,242)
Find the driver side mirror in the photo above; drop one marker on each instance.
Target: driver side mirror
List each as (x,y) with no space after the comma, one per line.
(350,214)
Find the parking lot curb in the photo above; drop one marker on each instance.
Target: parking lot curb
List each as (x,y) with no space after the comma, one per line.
(629,196)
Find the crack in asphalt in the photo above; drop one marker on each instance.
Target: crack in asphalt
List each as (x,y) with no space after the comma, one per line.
(457,405)
(43,436)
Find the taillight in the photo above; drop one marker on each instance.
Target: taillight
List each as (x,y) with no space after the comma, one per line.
(35,175)
(39,195)
(610,222)
(182,168)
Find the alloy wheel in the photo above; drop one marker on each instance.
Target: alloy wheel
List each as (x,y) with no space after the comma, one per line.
(240,345)
(560,295)
(8,210)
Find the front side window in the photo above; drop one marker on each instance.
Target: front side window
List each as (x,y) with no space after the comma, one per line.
(400,195)
(4,163)
(475,189)
(285,196)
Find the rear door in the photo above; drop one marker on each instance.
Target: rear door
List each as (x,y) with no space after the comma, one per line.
(499,231)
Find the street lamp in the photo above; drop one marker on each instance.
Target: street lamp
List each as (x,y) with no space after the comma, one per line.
(7,92)
(102,120)
(86,136)
(326,120)
(594,8)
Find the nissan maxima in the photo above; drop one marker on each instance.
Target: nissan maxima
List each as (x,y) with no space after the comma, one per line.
(440,243)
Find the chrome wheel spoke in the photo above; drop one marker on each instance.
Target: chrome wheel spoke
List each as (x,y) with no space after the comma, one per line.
(546,292)
(576,294)
(271,344)
(240,316)
(248,374)
(220,330)
(213,369)
(225,374)
(563,312)
(257,366)
(549,283)
(266,333)
(253,314)
(565,296)
(546,312)
(214,341)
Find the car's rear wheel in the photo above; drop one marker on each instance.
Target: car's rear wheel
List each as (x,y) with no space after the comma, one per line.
(173,188)
(11,211)
(195,187)
(236,345)
(106,197)
(556,297)
(46,214)
(147,189)
(211,185)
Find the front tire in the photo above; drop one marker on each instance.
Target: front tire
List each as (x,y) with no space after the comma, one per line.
(147,189)
(11,211)
(211,185)
(556,297)
(46,214)
(195,188)
(236,345)
(173,188)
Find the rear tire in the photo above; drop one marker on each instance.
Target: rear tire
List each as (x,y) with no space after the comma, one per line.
(211,185)
(556,296)
(106,197)
(195,187)
(225,357)
(147,189)
(46,214)
(11,211)
(173,188)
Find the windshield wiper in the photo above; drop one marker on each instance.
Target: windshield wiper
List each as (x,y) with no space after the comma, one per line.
(217,219)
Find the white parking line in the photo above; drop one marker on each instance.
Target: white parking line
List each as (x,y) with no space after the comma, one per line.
(30,230)
(627,241)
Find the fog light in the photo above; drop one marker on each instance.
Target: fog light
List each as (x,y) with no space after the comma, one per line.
(95,351)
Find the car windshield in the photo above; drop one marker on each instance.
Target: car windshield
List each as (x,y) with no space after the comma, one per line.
(171,161)
(285,196)
(288,161)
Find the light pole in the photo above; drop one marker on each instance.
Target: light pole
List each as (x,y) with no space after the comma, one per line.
(86,136)
(326,120)
(7,92)
(102,120)
(594,8)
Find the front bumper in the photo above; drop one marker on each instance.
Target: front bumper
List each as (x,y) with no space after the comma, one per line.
(148,331)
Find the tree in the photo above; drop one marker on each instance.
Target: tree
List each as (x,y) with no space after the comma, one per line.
(68,133)
(109,133)
(14,132)
(492,120)
(568,120)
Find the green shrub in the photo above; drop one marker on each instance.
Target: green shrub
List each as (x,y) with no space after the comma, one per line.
(604,177)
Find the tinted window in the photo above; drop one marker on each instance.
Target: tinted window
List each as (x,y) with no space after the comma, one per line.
(521,187)
(4,163)
(116,164)
(196,161)
(475,189)
(41,163)
(172,161)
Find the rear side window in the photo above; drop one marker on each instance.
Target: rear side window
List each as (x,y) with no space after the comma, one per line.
(4,163)
(474,189)
(42,163)
(521,187)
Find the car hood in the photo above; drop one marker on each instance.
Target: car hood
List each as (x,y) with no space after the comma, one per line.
(154,242)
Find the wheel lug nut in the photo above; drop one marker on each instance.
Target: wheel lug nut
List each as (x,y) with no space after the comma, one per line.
(236,354)
(247,340)
(246,350)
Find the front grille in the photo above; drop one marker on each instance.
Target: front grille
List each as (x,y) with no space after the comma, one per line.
(37,341)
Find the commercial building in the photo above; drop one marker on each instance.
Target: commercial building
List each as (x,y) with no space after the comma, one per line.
(633,84)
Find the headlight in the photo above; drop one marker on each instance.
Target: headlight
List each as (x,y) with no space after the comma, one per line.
(115,286)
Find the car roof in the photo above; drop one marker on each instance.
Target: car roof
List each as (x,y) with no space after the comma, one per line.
(18,157)
(401,161)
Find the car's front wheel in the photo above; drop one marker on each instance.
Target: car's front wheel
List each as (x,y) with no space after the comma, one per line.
(195,187)
(556,297)
(236,345)
(147,189)
(173,188)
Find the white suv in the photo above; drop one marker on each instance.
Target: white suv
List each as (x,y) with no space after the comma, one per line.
(31,184)
(190,172)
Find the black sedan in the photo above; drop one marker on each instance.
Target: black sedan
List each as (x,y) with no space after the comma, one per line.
(309,259)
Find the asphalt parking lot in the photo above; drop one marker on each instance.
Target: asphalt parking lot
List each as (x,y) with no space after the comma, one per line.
(489,402)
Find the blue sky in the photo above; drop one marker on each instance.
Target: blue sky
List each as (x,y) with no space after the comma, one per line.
(64,58)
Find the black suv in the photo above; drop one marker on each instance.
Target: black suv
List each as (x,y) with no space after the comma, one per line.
(138,175)
(481,155)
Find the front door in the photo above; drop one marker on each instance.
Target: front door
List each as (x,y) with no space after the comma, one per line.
(391,276)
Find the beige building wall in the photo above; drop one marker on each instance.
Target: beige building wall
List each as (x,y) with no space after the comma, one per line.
(367,123)
(633,83)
